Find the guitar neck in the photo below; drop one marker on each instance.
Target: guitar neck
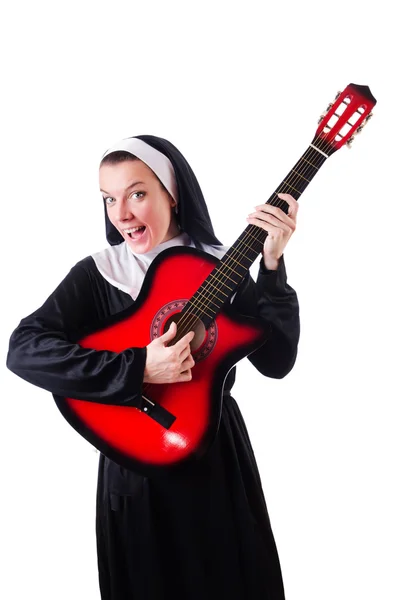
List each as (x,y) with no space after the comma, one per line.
(222,282)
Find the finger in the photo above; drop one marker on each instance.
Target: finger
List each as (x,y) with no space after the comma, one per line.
(184,353)
(268,209)
(185,376)
(293,204)
(287,224)
(273,230)
(185,341)
(170,333)
(261,218)
(188,363)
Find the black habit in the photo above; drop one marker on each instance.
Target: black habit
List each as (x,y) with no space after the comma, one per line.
(201,533)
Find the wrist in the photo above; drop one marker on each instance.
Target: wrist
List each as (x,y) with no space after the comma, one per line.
(271,264)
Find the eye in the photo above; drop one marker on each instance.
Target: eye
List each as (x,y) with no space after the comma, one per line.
(109,200)
(143,193)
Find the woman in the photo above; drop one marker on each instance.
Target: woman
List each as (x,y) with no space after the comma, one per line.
(204,532)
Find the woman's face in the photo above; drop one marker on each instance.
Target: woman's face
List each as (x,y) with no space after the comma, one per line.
(134,198)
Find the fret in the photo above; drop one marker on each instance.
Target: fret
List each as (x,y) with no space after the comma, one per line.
(310,163)
(292,187)
(300,175)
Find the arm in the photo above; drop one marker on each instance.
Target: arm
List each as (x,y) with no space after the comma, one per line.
(273,300)
(42,352)
(277,303)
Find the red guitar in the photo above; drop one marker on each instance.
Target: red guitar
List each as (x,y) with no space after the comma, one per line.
(178,422)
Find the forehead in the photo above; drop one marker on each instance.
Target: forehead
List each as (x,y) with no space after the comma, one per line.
(123,173)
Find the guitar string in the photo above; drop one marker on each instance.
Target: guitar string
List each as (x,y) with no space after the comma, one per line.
(311,152)
(186,322)
(250,234)
(323,143)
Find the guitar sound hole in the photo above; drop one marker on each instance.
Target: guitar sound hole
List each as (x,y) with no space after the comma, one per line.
(189,323)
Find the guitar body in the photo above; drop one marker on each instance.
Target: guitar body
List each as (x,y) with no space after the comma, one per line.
(131,436)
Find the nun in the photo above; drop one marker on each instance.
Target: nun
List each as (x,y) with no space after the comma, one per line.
(203,532)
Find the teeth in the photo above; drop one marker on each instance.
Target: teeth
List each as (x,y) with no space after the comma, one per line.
(133,229)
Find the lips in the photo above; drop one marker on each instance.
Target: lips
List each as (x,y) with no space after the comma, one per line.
(136,235)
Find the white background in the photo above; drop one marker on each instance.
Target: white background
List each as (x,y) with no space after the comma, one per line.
(238,89)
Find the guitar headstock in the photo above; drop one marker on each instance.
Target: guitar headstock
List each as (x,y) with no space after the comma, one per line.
(344,117)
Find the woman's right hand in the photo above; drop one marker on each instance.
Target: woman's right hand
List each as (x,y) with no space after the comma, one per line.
(169,364)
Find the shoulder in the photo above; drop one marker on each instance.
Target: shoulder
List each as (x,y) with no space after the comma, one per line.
(83,276)
(84,269)
(102,263)
(92,286)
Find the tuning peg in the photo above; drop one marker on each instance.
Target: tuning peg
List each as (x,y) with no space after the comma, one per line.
(337,95)
(330,105)
(321,117)
(363,124)
(350,141)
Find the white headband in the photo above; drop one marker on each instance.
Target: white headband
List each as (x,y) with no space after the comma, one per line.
(157,161)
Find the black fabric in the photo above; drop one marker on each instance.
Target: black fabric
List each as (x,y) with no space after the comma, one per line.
(203,535)
(42,349)
(205,532)
(192,216)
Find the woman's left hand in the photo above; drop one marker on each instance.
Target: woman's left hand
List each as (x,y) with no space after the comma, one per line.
(279,226)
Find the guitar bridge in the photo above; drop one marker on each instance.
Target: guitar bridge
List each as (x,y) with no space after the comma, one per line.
(157,412)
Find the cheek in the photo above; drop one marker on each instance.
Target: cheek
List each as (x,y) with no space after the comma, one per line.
(154,216)
(146,214)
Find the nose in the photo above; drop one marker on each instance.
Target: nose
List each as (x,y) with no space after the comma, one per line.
(123,211)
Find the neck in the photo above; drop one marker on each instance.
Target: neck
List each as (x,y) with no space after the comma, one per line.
(173,230)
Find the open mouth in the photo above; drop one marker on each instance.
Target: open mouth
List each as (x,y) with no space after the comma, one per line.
(137,234)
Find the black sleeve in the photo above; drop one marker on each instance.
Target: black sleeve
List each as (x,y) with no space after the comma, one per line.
(275,301)
(42,351)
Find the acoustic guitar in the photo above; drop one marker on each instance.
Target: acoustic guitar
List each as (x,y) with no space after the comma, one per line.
(176,423)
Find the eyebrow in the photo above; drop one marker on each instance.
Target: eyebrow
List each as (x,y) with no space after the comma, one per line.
(127,188)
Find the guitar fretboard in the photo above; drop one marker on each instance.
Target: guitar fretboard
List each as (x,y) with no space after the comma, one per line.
(222,282)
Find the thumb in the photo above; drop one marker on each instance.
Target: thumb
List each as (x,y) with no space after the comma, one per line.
(168,335)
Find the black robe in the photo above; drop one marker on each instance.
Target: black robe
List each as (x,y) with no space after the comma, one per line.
(200,534)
